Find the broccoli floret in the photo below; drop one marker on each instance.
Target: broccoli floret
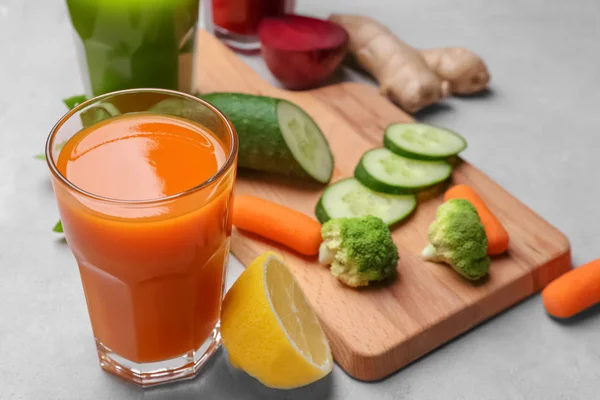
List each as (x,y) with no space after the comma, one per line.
(359,250)
(457,237)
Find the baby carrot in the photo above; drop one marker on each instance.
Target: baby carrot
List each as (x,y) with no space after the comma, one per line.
(277,223)
(495,232)
(574,291)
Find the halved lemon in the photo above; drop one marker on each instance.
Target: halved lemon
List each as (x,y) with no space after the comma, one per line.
(269,329)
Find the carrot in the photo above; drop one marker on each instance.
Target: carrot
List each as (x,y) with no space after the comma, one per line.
(574,291)
(277,223)
(495,232)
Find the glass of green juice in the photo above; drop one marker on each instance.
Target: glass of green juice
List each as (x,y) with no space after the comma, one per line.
(126,44)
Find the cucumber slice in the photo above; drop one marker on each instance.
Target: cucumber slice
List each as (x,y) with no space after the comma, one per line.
(276,136)
(386,172)
(422,141)
(348,198)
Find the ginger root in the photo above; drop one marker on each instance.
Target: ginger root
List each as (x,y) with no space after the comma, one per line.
(412,78)
(464,69)
(401,71)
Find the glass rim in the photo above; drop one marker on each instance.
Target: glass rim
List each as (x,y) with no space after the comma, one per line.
(220,172)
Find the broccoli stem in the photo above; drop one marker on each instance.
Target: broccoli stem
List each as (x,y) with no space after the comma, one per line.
(429,252)
(326,255)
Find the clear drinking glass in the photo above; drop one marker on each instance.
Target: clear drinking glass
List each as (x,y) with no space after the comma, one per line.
(236,21)
(124,44)
(152,271)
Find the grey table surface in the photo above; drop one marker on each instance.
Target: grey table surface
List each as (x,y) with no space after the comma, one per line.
(537,134)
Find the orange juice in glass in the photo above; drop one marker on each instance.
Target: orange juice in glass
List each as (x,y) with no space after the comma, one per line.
(143,179)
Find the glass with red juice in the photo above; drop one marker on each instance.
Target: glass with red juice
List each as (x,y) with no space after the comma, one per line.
(236,21)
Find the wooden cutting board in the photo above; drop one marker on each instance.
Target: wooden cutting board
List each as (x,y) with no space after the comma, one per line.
(376,331)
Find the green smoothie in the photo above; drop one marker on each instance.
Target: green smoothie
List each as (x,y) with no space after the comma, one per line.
(136,43)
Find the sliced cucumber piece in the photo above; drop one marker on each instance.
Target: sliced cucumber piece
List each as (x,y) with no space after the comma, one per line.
(422,141)
(386,172)
(348,198)
(276,136)
(305,140)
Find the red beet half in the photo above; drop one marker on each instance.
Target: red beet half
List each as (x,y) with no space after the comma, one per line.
(301,51)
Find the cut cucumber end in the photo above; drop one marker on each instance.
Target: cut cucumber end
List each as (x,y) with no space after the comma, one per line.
(383,171)
(275,136)
(422,141)
(347,198)
(305,140)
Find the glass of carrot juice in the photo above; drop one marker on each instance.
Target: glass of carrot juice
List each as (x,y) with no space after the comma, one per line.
(143,179)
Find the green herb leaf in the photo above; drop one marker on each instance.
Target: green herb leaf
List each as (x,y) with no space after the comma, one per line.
(98,112)
(74,101)
(58,227)
(60,145)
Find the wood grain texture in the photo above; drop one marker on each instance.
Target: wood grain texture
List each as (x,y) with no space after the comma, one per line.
(376,331)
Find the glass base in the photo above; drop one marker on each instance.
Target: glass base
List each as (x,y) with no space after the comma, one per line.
(240,42)
(150,374)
